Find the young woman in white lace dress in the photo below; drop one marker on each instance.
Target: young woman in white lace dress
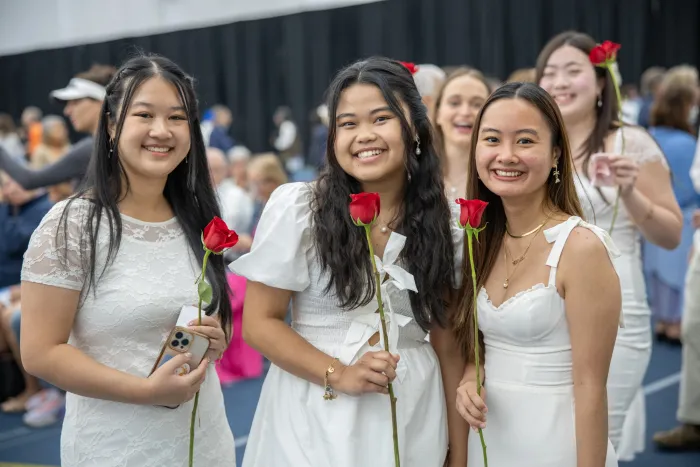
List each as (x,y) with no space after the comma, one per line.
(308,251)
(107,273)
(647,209)
(548,295)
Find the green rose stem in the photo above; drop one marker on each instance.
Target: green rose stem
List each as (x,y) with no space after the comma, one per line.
(392,398)
(472,232)
(202,289)
(616,205)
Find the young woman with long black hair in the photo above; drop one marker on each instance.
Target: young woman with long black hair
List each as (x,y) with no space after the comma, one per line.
(108,271)
(308,251)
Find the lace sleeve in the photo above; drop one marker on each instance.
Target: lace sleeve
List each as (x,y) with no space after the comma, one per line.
(55,253)
(640,145)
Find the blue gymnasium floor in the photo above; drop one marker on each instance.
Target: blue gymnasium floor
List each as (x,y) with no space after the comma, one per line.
(21,446)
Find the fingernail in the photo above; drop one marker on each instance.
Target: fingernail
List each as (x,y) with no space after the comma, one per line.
(483,425)
(188,355)
(191,323)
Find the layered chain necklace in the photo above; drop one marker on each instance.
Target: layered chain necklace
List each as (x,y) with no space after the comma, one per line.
(516,261)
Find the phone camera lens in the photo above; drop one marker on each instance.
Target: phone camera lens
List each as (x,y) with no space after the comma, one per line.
(175,343)
(185,342)
(178,335)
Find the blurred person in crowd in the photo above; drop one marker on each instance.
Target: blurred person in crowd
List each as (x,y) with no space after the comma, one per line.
(647,210)
(10,140)
(221,125)
(494,83)
(238,158)
(319,134)
(686,436)
(522,75)
(83,99)
(457,103)
(631,103)
(31,128)
(429,79)
(650,81)
(54,142)
(21,212)
(236,205)
(286,139)
(666,270)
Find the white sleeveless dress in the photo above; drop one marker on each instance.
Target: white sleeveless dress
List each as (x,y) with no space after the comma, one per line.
(122,324)
(626,409)
(293,425)
(528,365)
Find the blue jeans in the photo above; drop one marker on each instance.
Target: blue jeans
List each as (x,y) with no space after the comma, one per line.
(16,325)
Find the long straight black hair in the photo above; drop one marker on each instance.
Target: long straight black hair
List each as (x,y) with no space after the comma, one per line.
(424,217)
(188,188)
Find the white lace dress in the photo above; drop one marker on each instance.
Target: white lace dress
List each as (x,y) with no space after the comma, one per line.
(293,425)
(633,345)
(123,326)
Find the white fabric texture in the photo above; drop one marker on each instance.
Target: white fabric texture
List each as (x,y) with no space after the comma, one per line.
(122,323)
(633,345)
(528,365)
(293,425)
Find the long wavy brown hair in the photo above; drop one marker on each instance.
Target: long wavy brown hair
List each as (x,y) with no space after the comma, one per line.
(560,197)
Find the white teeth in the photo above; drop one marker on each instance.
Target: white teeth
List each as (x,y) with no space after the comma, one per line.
(503,173)
(157,149)
(366,154)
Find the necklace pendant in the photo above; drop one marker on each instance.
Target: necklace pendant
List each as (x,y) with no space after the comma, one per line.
(516,261)
(505,284)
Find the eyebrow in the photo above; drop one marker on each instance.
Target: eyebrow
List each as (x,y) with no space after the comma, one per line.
(146,104)
(567,64)
(377,110)
(528,131)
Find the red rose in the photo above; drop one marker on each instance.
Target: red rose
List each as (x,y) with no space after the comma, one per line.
(217,236)
(597,55)
(611,49)
(471,211)
(606,52)
(364,208)
(411,67)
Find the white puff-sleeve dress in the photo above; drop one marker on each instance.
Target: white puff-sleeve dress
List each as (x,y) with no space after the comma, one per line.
(293,425)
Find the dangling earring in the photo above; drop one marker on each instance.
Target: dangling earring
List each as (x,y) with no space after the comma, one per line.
(600,102)
(556,174)
(417,147)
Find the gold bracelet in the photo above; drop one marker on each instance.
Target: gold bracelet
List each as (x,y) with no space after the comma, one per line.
(329,394)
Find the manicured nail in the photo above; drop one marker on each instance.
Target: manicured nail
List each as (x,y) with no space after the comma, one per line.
(188,355)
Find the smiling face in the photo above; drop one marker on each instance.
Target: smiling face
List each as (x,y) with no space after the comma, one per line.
(514,153)
(570,78)
(461,100)
(369,143)
(155,137)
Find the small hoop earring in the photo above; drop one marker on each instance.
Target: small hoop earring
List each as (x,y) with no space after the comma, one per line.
(600,102)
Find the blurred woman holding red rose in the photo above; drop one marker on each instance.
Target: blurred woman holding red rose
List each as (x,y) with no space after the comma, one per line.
(547,296)
(647,209)
(324,401)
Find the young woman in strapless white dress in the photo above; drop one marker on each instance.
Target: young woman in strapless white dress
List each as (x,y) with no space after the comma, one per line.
(548,295)
(647,210)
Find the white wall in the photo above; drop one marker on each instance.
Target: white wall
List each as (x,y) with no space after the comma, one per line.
(27,25)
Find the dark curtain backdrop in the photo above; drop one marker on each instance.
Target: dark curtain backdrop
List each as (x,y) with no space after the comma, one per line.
(255,66)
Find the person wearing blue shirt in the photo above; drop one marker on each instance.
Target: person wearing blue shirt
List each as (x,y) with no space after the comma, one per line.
(665,270)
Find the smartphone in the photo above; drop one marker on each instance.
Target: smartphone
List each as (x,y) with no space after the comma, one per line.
(182,340)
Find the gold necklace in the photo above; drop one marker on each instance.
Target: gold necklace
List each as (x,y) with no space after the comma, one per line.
(516,262)
(526,233)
